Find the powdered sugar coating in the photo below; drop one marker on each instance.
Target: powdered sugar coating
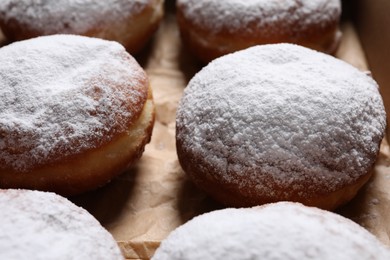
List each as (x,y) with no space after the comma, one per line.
(234,15)
(41,225)
(61,95)
(276,231)
(69,16)
(309,123)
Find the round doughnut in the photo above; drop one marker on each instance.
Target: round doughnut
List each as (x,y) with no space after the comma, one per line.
(280,122)
(43,225)
(130,22)
(74,112)
(283,230)
(212,28)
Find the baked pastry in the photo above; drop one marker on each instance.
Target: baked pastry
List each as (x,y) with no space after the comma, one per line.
(74,112)
(212,28)
(282,230)
(43,225)
(280,122)
(130,22)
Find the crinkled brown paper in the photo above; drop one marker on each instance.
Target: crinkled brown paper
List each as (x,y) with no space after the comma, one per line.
(144,204)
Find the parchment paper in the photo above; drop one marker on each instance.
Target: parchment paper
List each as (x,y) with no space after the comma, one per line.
(148,201)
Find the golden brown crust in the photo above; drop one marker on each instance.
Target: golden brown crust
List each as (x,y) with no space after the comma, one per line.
(136,30)
(92,125)
(253,128)
(207,45)
(146,23)
(133,31)
(235,196)
(78,173)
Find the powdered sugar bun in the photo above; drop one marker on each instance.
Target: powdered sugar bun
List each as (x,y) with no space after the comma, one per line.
(282,230)
(74,112)
(130,22)
(213,28)
(280,122)
(42,225)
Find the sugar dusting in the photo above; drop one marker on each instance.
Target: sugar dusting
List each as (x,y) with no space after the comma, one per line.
(285,113)
(69,16)
(276,231)
(233,15)
(43,225)
(60,94)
